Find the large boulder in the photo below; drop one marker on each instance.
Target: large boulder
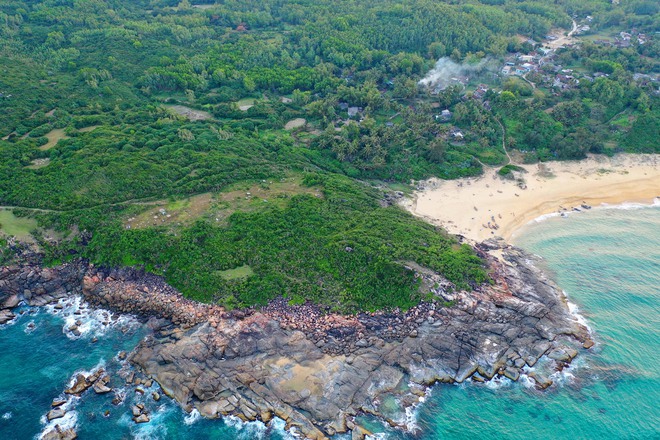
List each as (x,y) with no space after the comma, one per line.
(56,413)
(80,385)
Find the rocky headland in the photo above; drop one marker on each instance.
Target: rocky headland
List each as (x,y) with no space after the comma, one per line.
(317,370)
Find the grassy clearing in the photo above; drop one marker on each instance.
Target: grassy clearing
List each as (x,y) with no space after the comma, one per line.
(38,163)
(240,197)
(623,120)
(19,227)
(54,136)
(236,273)
(245,104)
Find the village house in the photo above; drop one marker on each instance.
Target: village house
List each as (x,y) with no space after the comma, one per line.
(444,116)
(353,111)
(528,67)
(456,133)
(480,92)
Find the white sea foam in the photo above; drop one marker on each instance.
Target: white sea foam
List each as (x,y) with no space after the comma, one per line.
(30,327)
(7,415)
(563,377)
(378,436)
(526,381)
(246,430)
(86,373)
(69,421)
(155,429)
(410,417)
(191,418)
(93,322)
(575,311)
(279,425)
(410,421)
(545,217)
(629,206)
(498,382)
(18,314)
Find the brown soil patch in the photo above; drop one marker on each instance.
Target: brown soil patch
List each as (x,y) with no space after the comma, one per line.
(191,114)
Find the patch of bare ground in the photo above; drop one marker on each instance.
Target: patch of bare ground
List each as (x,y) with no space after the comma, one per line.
(295,123)
(187,112)
(38,163)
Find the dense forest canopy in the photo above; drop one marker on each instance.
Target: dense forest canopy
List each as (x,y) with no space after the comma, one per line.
(108,105)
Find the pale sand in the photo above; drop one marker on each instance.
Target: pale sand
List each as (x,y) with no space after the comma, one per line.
(466,206)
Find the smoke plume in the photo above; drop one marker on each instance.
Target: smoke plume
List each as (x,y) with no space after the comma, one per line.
(447,72)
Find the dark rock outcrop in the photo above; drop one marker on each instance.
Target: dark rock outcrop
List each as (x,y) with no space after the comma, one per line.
(317,370)
(256,367)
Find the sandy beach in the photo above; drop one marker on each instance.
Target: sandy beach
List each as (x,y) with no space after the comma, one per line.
(490,205)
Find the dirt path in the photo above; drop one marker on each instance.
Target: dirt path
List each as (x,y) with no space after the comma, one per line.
(554,45)
(528,81)
(564,39)
(504,142)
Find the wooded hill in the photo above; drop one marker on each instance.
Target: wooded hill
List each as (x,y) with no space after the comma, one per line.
(107,106)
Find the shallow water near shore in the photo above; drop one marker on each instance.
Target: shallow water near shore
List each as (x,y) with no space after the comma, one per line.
(607,261)
(39,356)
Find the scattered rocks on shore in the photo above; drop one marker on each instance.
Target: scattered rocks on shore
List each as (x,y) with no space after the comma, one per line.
(60,434)
(140,414)
(100,387)
(56,413)
(58,402)
(82,382)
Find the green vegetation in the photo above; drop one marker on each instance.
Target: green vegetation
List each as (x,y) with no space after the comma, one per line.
(341,249)
(236,273)
(113,110)
(19,227)
(507,170)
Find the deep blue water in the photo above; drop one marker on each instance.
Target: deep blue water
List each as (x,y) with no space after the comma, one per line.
(607,261)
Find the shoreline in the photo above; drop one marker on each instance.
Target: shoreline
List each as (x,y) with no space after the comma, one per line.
(622,205)
(268,363)
(490,205)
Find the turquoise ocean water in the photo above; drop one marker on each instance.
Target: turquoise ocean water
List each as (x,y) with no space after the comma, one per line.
(607,261)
